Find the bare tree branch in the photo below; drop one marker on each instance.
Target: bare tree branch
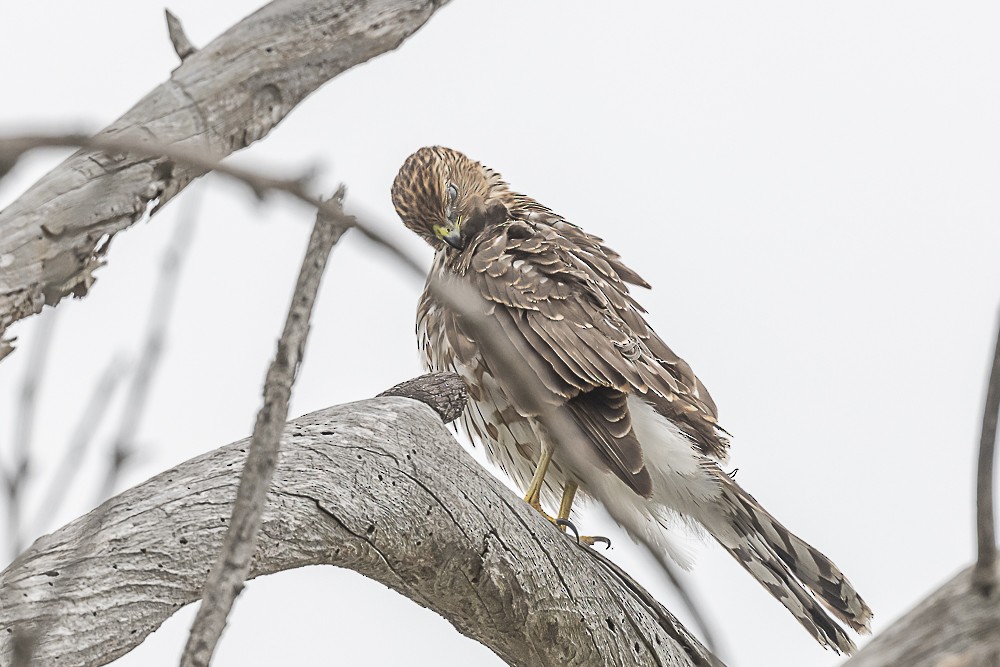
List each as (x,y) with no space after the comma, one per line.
(160,313)
(260,184)
(182,45)
(984,574)
(17,475)
(700,619)
(71,461)
(221,98)
(438,390)
(233,563)
(378,486)
(956,626)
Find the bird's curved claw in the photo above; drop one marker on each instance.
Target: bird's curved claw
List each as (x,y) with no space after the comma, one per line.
(593,540)
(582,539)
(566,523)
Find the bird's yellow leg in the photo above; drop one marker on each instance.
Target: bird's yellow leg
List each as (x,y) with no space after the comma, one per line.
(569,492)
(533,496)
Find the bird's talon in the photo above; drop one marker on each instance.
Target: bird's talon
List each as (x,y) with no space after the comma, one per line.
(566,523)
(593,540)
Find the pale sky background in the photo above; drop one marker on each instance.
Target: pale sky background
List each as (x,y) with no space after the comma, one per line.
(811,188)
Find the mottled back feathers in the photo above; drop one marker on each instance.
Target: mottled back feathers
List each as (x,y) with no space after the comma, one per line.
(561,301)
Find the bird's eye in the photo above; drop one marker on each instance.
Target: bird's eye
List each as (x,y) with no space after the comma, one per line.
(452,193)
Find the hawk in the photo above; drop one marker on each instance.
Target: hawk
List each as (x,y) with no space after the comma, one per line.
(571,391)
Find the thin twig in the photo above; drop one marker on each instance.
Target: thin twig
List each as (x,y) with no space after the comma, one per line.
(984,575)
(261,184)
(225,581)
(24,426)
(161,309)
(71,462)
(182,45)
(688,598)
(466,302)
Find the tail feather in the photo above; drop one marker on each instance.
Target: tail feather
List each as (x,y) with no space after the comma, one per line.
(772,573)
(691,490)
(793,571)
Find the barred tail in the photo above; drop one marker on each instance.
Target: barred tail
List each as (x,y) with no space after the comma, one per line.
(793,571)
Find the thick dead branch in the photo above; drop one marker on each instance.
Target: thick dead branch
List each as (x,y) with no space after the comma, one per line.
(232,564)
(957,626)
(221,98)
(260,184)
(378,486)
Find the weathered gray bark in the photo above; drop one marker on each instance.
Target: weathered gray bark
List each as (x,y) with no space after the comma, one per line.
(222,98)
(956,626)
(378,486)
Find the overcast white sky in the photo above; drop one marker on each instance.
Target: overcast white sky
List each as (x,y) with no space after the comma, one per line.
(811,188)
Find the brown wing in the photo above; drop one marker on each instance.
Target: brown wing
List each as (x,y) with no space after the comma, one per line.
(506,343)
(609,265)
(603,415)
(558,297)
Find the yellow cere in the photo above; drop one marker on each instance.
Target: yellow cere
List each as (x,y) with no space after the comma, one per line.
(442,231)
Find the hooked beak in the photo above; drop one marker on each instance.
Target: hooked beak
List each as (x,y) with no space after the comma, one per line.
(450,233)
(453,238)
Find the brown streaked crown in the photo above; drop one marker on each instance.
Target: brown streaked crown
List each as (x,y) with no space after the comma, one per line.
(421,192)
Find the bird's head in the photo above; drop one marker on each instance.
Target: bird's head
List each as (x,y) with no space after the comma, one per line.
(446,198)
